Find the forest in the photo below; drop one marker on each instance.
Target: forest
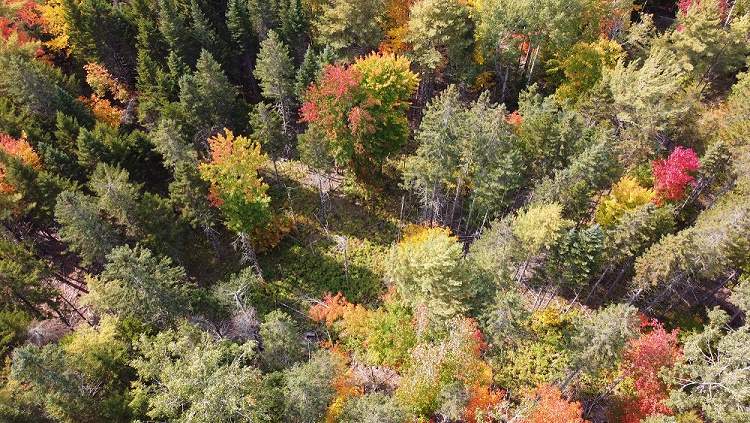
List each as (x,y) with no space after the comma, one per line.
(375,211)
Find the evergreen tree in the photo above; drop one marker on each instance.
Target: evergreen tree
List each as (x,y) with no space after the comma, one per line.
(82,227)
(268,130)
(275,71)
(208,99)
(136,284)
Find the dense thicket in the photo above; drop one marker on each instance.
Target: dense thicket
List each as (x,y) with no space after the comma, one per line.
(375,211)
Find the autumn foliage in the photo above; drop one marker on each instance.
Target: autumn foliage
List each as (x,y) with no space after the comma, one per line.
(673,175)
(549,406)
(20,149)
(645,357)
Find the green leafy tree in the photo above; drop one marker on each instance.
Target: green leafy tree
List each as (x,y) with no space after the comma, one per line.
(361,111)
(427,269)
(308,387)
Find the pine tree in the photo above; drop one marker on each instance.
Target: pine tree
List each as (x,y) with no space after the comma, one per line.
(268,130)
(306,74)
(136,284)
(82,227)
(207,97)
(239,24)
(275,71)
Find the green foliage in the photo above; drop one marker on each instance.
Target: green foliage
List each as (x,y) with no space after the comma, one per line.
(82,379)
(236,187)
(207,97)
(308,387)
(469,148)
(549,135)
(371,408)
(281,341)
(540,226)
(275,71)
(23,278)
(584,65)
(351,26)
(268,130)
(428,270)
(136,284)
(184,375)
(711,376)
(440,33)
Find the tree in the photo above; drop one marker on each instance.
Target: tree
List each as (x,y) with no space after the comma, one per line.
(550,135)
(207,97)
(371,408)
(673,175)
(275,71)
(22,278)
(626,195)
(185,375)
(584,65)
(236,188)
(82,379)
(268,129)
(711,376)
(440,34)
(308,387)
(573,187)
(470,148)
(136,284)
(83,228)
(600,339)
(281,341)
(540,226)
(427,269)
(655,109)
(548,404)
(707,37)
(361,110)
(351,26)
(645,358)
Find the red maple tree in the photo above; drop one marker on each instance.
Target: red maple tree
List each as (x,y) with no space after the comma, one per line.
(644,359)
(674,174)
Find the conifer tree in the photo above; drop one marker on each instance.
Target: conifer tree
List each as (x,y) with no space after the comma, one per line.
(275,71)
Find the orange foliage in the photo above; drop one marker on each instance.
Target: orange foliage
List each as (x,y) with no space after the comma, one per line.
(482,400)
(396,26)
(20,149)
(514,118)
(99,78)
(550,406)
(103,110)
(330,309)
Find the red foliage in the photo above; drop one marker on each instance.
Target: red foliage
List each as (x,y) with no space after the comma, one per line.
(644,358)
(550,406)
(333,102)
(673,175)
(482,400)
(514,118)
(684,5)
(27,16)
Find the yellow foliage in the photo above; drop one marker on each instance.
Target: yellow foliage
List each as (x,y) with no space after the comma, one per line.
(626,195)
(540,226)
(53,15)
